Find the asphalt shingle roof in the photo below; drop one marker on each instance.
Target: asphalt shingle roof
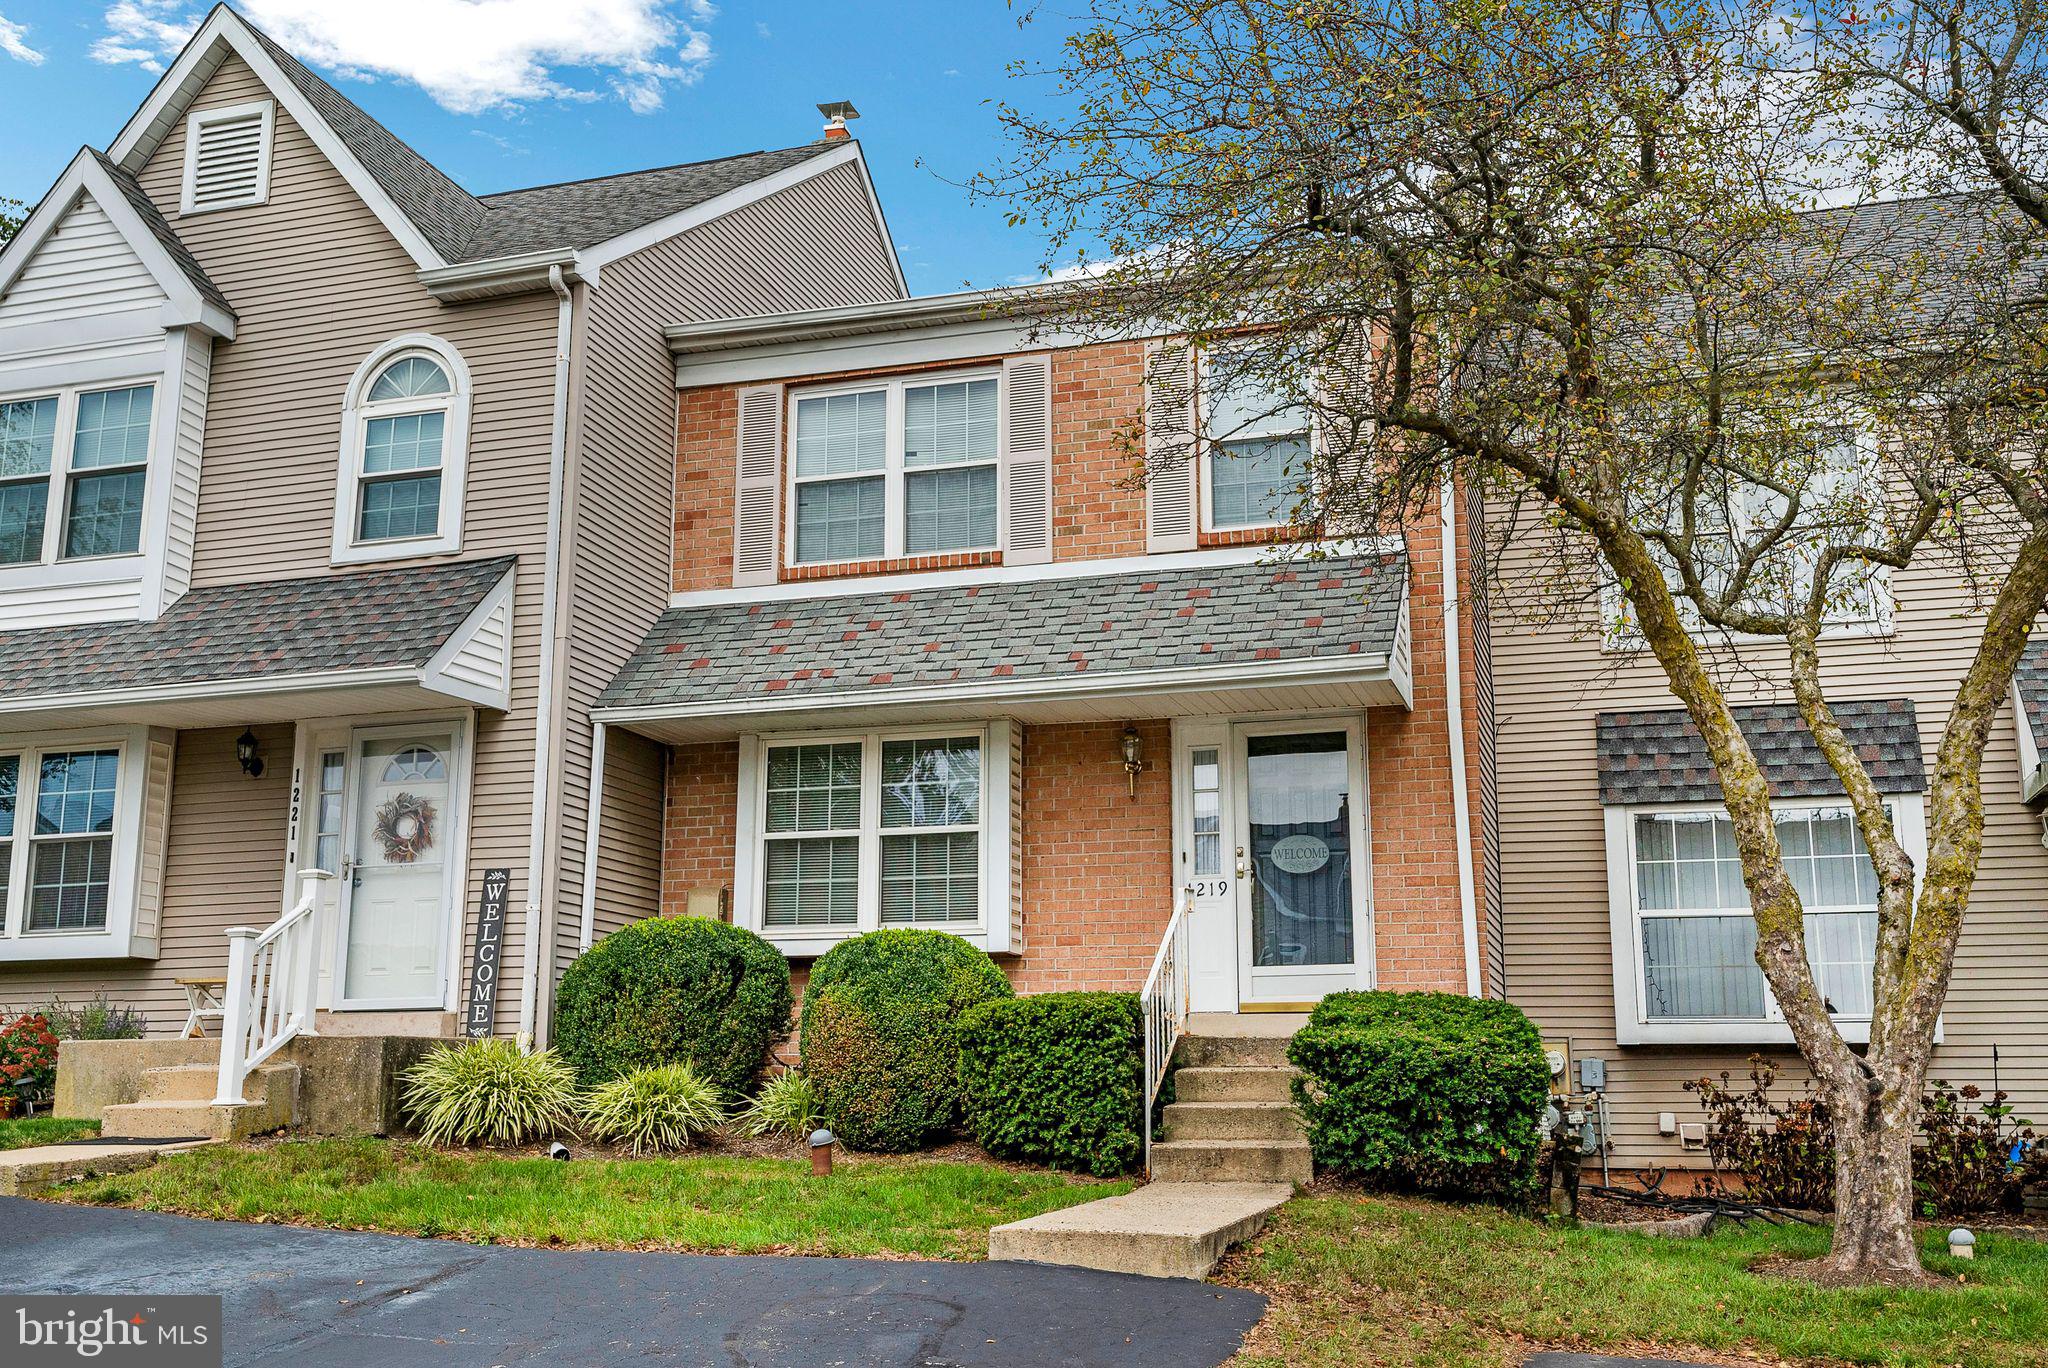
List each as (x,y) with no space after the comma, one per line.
(1659,756)
(2031,675)
(464,227)
(233,632)
(1016,632)
(160,228)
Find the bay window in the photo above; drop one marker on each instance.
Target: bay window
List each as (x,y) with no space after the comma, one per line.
(845,833)
(897,468)
(1685,941)
(74,469)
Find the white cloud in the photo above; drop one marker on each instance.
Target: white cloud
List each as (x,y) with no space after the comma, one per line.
(14,42)
(469,55)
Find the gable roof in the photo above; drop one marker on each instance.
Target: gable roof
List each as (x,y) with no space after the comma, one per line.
(440,224)
(192,299)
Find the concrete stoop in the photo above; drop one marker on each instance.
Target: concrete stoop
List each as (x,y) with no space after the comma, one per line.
(177,1102)
(1161,1230)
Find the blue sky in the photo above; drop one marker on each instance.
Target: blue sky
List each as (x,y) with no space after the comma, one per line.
(522,92)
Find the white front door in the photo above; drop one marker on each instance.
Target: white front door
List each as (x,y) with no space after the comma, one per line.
(1300,861)
(400,835)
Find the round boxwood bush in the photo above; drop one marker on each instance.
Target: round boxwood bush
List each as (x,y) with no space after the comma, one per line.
(879,1033)
(1055,1079)
(675,990)
(1429,1091)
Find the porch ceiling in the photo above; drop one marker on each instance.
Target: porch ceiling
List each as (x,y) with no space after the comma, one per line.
(276,651)
(1191,641)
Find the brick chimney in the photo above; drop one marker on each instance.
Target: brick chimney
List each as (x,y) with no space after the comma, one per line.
(836,114)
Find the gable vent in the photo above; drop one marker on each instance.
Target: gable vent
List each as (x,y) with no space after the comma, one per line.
(227,158)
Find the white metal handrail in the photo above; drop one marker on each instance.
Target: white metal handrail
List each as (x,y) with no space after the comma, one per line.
(273,982)
(1164,1002)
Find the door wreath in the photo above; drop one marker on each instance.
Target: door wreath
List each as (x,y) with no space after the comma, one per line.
(405,828)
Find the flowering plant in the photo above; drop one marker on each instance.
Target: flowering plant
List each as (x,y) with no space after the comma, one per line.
(28,1056)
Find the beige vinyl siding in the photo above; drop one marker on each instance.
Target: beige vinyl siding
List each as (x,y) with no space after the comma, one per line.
(223,866)
(84,269)
(1486,818)
(187,468)
(317,283)
(1549,687)
(629,857)
(813,245)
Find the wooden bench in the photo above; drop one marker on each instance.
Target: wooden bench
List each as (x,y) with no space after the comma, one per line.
(205,1000)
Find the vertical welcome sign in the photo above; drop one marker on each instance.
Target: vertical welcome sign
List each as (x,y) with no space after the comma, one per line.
(480,1018)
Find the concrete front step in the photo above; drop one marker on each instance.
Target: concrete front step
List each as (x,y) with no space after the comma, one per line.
(1229,1051)
(1161,1230)
(1232,1121)
(419,1023)
(1232,1161)
(1260,1083)
(177,1101)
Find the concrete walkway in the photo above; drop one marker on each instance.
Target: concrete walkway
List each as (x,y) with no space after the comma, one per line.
(35,1169)
(311,1298)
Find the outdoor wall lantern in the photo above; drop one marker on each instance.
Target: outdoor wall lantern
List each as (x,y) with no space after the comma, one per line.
(1134,758)
(245,751)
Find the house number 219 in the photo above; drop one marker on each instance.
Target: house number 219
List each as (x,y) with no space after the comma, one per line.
(1208,888)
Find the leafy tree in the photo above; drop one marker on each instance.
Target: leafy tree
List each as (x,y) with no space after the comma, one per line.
(12,213)
(1579,262)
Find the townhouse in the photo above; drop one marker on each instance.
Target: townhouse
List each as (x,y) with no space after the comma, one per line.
(331,496)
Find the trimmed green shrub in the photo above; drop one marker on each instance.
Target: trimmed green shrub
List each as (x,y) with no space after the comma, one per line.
(879,1046)
(660,1108)
(1429,1091)
(675,990)
(490,1092)
(1056,1079)
(787,1105)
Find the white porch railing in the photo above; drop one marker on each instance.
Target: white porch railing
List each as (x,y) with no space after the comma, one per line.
(1164,1004)
(273,984)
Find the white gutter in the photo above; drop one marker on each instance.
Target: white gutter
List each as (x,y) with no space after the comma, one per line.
(1454,711)
(544,704)
(591,816)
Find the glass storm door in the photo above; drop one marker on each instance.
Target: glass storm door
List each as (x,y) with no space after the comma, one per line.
(400,835)
(1300,861)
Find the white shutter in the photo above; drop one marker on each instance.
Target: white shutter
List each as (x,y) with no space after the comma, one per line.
(758,500)
(227,157)
(159,755)
(1171,500)
(1027,459)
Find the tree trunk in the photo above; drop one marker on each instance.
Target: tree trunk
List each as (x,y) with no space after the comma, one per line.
(1873,1189)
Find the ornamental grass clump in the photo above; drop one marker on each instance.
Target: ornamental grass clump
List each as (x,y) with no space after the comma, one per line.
(654,1109)
(786,1105)
(490,1092)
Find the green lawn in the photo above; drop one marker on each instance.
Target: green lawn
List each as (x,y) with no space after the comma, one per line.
(1357,1280)
(692,1202)
(19,1132)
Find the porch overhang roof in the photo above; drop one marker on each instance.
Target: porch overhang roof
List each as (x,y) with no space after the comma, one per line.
(275,651)
(1186,641)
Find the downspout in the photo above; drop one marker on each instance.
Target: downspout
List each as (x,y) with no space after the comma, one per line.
(544,704)
(1454,711)
(591,817)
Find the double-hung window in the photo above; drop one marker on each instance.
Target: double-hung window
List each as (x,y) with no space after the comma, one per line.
(74,469)
(846,833)
(1686,935)
(900,468)
(1256,451)
(404,453)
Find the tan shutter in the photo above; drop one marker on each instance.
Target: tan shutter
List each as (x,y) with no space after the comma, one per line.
(159,754)
(1172,501)
(757,512)
(1343,438)
(1027,459)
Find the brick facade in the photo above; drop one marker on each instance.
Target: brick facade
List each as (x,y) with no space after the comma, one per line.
(1097,866)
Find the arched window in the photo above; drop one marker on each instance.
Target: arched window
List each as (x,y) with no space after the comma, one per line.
(404,434)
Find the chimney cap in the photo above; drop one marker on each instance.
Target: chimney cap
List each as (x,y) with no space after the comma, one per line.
(838,111)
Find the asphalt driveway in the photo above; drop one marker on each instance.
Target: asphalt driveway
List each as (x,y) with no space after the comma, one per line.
(311,1298)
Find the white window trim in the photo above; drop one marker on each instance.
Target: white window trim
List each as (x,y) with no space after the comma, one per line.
(116,940)
(1210,448)
(62,474)
(198,120)
(356,414)
(894,512)
(990,931)
(1632,1025)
